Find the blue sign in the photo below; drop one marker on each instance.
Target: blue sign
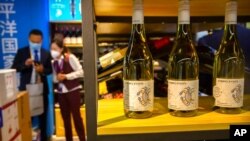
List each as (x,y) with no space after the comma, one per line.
(17,18)
(65,10)
(8,33)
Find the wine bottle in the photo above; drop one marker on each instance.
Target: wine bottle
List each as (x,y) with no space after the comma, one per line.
(67,35)
(183,68)
(138,81)
(73,35)
(229,62)
(79,35)
(111,59)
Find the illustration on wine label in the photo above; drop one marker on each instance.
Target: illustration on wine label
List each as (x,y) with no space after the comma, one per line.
(186,96)
(143,96)
(236,93)
(216,91)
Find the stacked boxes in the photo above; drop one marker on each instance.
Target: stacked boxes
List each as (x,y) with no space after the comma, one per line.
(8,86)
(9,127)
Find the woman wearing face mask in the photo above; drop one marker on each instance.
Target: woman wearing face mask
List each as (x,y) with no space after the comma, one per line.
(66,71)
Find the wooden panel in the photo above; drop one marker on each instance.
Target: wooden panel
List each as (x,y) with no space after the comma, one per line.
(168,7)
(111,119)
(125,28)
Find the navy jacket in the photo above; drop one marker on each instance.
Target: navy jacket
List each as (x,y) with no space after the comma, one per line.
(25,71)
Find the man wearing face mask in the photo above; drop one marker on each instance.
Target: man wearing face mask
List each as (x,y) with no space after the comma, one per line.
(34,64)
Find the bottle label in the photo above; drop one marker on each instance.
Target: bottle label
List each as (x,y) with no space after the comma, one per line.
(138,95)
(231,12)
(183,12)
(183,95)
(138,16)
(228,92)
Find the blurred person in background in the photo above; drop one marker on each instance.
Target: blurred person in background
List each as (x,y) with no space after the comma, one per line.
(66,71)
(30,61)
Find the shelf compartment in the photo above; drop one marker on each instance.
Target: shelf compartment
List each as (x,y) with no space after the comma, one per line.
(111,119)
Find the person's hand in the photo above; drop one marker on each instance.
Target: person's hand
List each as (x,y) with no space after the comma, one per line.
(39,68)
(28,62)
(61,76)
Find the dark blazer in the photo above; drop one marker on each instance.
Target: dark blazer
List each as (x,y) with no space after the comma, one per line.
(25,71)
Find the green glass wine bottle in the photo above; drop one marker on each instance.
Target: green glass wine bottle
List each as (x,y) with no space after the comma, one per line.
(183,68)
(138,69)
(229,63)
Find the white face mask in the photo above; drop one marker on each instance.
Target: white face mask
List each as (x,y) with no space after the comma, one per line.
(54,54)
(35,46)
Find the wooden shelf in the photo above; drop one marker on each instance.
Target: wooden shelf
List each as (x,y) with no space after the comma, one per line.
(168,8)
(111,119)
(74,45)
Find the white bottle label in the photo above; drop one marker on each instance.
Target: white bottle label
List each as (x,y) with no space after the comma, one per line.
(183,95)
(231,12)
(79,40)
(229,92)
(183,12)
(67,40)
(138,95)
(73,40)
(138,16)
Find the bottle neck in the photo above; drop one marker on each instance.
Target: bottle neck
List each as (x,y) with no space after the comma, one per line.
(138,13)
(231,12)
(138,29)
(138,33)
(230,31)
(230,20)
(183,31)
(183,12)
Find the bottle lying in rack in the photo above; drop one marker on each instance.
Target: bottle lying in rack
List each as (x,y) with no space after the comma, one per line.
(229,63)
(138,75)
(111,59)
(183,68)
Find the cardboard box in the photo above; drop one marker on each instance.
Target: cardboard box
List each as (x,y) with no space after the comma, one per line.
(24,116)
(10,121)
(8,87)
(60,126)
(17,137)
(36,105)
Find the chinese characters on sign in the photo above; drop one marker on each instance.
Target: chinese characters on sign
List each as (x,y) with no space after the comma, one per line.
(8,31)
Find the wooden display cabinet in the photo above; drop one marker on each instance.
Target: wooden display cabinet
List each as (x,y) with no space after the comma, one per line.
(113,128)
